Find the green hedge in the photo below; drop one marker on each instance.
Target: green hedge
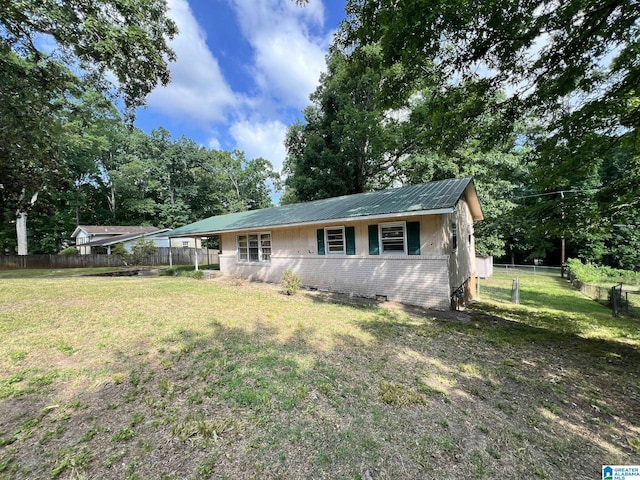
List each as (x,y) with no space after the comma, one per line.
(182,270)
(579,272)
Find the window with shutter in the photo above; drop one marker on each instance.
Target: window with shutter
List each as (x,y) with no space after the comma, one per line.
(454,236)
(393,238)
(334,239)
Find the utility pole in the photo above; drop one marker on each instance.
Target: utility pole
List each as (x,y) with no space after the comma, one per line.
(562,251)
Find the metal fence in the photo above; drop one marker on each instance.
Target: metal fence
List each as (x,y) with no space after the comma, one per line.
(528,268)
(625,301)
(616,297)
(179,256)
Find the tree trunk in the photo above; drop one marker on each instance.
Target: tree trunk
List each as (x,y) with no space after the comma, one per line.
(21,221)
(21,232)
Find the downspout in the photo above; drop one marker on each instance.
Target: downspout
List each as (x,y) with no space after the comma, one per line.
(170,258)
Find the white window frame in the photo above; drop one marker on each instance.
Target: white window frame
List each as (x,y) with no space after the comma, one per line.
(326,240)
(404,238)
(264,251)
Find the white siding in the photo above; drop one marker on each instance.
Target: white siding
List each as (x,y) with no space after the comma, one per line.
(462,260)
(421,280)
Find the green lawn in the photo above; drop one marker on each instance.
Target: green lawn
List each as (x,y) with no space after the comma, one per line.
(178,378)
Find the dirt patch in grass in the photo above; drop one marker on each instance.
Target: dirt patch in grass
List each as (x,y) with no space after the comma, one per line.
(178,378)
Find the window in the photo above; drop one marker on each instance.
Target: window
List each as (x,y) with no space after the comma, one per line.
(265,247)
(185,244)
(255,247)
(392,237)
(335,239)
(454,235)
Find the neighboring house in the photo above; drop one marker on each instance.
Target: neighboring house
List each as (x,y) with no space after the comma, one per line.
(99,238)
(413,245)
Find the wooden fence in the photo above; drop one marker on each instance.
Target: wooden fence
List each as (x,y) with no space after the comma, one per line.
(179,256)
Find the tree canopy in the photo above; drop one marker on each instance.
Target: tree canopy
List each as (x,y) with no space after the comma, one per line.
(52,54)
(571,67)
(124,38)
(537,100)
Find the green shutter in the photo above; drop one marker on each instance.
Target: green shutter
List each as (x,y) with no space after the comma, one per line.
(350,234)
(320,235)
(374,244)
(413,238)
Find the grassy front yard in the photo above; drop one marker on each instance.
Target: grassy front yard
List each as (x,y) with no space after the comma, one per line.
(177,378)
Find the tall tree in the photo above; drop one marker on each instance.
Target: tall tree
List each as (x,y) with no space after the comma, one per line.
(29,132)
(349,144)
(91,41)
(571,65)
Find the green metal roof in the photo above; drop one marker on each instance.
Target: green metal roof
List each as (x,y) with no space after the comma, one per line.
(416,199)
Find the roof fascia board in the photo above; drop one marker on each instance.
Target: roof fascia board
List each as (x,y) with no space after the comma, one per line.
(386,216)
(471,196)
(133,237)
(77,231)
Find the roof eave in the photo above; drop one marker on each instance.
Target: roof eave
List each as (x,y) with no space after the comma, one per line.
(471,196)
(386,216)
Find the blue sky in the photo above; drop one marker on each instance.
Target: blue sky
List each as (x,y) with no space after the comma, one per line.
(244,72)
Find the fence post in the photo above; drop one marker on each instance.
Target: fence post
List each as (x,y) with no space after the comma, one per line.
(515,291)
(616,299)
(626,298)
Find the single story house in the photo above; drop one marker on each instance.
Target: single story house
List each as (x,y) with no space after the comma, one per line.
(413,245)
(99,238)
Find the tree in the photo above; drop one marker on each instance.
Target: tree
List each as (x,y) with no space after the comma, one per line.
(29,129)
(349,144)
(571,66)
(123,38)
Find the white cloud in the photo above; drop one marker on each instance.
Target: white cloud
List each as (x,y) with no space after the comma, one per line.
(288,58)
(214,144)
(264,140)
(198,90)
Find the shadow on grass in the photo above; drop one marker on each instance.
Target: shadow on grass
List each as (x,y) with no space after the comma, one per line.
(265,401)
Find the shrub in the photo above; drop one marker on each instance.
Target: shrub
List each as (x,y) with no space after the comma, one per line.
(197,274)
(139,251)
(69,251)
(291,282)
(184,271)
(581,273)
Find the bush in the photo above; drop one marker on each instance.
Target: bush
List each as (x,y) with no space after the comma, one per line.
(184,271)
(139,251)
(197,274)
(291,282)
(581,273)
(69,251)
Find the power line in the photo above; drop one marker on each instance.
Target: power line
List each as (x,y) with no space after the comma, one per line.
(561,192)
